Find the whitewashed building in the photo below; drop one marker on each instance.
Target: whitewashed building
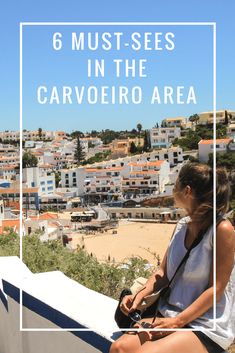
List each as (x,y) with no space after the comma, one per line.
(163,137)
(107,181)
(205,147)
(231,130)
(35,178)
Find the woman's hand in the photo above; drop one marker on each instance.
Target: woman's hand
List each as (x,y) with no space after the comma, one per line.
(130,303)
(169,322)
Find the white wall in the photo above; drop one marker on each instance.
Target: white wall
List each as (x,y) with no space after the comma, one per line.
(52,300)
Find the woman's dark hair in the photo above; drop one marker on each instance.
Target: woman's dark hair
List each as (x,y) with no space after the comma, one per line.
(200,178)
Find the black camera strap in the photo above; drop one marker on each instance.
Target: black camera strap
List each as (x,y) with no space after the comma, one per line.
(196,241)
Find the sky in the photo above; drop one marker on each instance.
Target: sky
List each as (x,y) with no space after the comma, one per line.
(190,63)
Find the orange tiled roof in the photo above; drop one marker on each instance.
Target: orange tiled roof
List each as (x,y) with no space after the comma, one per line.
(209,142)
(13,166)
(46,216)
(14,191)
(153,163)
(11,223)
(145,172)
(103,169)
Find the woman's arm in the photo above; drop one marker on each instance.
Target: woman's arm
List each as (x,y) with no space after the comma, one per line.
(154,283)
(225,248)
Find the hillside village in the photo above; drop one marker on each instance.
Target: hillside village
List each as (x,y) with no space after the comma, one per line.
(87,182)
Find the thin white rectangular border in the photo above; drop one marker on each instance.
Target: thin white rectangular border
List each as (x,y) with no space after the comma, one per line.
(213,24)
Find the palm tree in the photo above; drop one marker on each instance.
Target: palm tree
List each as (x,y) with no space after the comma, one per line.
(40,133)
(139,128)
(194,118)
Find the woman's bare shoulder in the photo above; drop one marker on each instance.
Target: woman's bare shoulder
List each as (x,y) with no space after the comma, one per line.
(225,232)
(225,225)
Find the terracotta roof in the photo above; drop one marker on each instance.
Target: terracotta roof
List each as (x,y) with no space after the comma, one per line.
(46,165)
(145,172)
(6,158)
(209,142)
(10,223)
(103,169)
(14,191)
(46,216)
(153,163)
(9,167)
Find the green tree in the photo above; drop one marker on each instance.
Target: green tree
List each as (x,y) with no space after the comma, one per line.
(146,145)
(29,160)
(98,157)
(194,118)
(133,148)
(108,136)
(226,160)
(40,133)
(79,153)
(105,278)
(139,128)
(9,243)
(57,179)
(76,134)
(226,117)
(189,142)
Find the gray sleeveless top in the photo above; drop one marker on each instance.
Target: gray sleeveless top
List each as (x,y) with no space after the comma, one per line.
(192,280)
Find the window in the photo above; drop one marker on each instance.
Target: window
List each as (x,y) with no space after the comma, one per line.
(42,183)
(66,175)
(50,188)
(74,174)
(49,182)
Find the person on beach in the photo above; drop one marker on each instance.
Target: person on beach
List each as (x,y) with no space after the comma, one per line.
(190,302)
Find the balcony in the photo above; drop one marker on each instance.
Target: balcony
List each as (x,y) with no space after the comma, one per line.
(52,301)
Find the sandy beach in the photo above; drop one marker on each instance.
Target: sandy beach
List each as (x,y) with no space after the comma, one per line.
(132,239)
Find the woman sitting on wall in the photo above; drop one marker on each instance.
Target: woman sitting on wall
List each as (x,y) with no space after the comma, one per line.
(190,302)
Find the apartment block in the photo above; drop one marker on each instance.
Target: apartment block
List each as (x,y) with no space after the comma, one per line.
(107,181)
(163,137)
(208,117)
(145,178)
(34,177)
(175,122)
